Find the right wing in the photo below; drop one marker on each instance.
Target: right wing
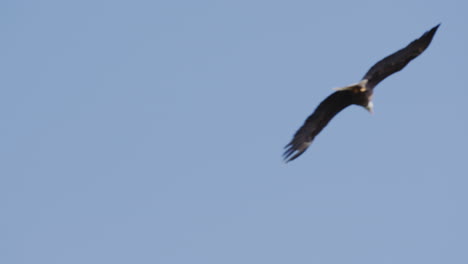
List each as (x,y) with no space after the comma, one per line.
(327,109)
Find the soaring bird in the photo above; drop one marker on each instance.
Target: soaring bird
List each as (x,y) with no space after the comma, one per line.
(355,94)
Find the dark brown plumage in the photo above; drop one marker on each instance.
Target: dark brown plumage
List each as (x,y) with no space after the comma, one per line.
(355,94)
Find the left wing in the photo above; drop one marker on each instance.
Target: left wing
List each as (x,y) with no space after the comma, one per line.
(399,59)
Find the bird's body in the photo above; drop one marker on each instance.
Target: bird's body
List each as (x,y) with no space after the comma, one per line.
(356,94)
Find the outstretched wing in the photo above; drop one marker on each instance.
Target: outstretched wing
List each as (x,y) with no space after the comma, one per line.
(327,109)
(399,59)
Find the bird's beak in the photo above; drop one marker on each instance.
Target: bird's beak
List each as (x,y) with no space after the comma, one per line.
(370,107)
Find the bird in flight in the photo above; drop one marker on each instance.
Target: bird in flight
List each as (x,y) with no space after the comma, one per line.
(355,94)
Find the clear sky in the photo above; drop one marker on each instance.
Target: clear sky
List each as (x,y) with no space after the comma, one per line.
(152,132)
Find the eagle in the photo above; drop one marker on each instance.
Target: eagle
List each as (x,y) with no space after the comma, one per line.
(355,94)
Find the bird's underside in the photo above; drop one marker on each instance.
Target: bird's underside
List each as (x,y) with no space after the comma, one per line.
(355,94)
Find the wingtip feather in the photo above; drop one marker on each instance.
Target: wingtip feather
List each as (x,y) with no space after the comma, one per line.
(433,30)
(293,151)
(287,160)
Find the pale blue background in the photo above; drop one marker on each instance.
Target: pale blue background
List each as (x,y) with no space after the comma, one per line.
(152,132)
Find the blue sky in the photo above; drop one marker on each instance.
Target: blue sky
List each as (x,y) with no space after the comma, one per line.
(152,132)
